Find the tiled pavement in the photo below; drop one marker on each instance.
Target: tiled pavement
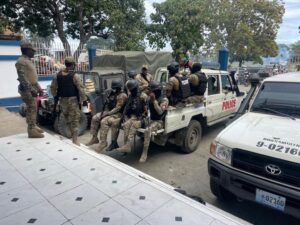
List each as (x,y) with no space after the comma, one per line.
(50,181)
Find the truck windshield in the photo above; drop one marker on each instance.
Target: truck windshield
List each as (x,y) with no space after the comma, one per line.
(282,99)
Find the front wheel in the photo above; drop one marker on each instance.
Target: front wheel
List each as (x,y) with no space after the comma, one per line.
(61,126)
(192,137)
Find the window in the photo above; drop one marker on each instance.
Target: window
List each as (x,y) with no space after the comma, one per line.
(226,84)
(213,84)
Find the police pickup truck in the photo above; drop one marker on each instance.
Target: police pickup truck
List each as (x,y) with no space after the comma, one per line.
(257,157)
(184,125)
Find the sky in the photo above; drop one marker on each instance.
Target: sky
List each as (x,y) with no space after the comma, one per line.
(288,32)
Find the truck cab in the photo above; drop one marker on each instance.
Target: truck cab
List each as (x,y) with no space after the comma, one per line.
(257,157)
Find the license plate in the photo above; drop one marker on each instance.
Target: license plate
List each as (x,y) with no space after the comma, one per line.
(272,200)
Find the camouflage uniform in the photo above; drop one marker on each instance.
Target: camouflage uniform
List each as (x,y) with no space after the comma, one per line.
(144,79)
(132,123)
(29,88)
(172,87)
(195,82)
(160,106)
(70,105)
(108,119)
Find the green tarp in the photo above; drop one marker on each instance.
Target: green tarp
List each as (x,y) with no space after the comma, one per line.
(133,60)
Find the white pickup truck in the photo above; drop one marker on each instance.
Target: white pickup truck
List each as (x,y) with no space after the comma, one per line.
(184,126)
(257,157)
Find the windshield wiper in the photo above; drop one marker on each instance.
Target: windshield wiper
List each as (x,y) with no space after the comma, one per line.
(274,111)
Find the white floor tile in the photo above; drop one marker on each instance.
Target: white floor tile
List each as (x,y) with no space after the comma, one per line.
(109,212)
(57,184)
(176,212)
(14,151)
(114,183)
(28,159)
(143,223)
(41,214)
(18,199)
(42,170)
(92,170)
(55,147)
(78,200)
(142,199)
(11,179)
(5,166)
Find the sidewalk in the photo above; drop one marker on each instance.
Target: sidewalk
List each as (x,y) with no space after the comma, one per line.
(11,123)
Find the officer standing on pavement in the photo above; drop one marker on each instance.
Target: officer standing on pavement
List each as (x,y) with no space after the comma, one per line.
(29,88)
(144,79)
(158,106)
(198,84)
(102,121)
(68,88)
(178,87)
(135,112)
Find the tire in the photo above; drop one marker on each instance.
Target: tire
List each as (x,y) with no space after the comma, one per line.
(22,110)
(61,127)
(191,137)
(219,191)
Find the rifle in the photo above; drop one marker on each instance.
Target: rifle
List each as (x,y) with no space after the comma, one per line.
(54,112)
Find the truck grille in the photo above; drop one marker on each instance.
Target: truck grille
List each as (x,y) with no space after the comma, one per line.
(256,164)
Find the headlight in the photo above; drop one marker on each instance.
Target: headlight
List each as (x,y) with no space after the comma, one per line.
(221,152)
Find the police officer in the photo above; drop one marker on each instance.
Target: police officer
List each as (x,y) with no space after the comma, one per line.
(135,112)
(198,84)
(144,79)
(68,88)
(110,118)
(178,87)
(29,88)
(158,106)
(131,75)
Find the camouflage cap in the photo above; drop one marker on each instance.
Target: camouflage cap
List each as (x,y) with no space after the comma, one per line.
(26,44)
(69,59)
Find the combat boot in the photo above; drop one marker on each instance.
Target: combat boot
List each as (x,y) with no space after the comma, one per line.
(94,140)
(102,146)
(112,146)
(125,148)
(39,129)
(33,133)
(75,140)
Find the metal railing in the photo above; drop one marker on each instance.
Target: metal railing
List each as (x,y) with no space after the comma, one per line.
(294,63)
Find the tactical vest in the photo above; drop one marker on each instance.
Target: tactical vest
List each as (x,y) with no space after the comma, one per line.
(66,86)
(112,101)
(202,83)
(153,114)
(135,107)
(184,90)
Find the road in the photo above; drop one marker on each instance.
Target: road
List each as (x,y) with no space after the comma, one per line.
(189,172)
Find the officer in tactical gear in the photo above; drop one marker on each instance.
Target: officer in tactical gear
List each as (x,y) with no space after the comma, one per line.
(178,87)
(110,117)
(144,79)
(131,76)
(135,112)
(29,88)
(198,84)
(158,106)
(68,88)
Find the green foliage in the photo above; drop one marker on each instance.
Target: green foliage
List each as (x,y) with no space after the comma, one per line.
(181,22)
(295,49)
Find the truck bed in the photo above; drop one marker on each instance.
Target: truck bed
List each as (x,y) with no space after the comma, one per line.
(51,181)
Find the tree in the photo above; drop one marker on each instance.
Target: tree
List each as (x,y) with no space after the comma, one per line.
(295,49)
(128,25)
(180,22)
(247,28)
(78,19)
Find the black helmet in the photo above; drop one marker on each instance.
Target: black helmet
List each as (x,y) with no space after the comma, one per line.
(131,74)
(116,84)
(132,84)
(173,67)
(196,67)
(155,85)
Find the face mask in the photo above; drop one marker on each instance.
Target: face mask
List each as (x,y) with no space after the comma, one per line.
(134,92)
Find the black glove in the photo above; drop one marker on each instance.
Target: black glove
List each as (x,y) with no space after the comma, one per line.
(84,103)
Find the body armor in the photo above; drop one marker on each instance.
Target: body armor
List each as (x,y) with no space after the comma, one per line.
(66,86)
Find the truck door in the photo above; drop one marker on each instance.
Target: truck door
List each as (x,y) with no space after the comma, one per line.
(230,101)
(214,97)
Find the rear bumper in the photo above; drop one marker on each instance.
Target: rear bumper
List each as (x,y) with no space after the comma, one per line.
(244,186)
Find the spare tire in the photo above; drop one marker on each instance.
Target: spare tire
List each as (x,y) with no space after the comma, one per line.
(61,127)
